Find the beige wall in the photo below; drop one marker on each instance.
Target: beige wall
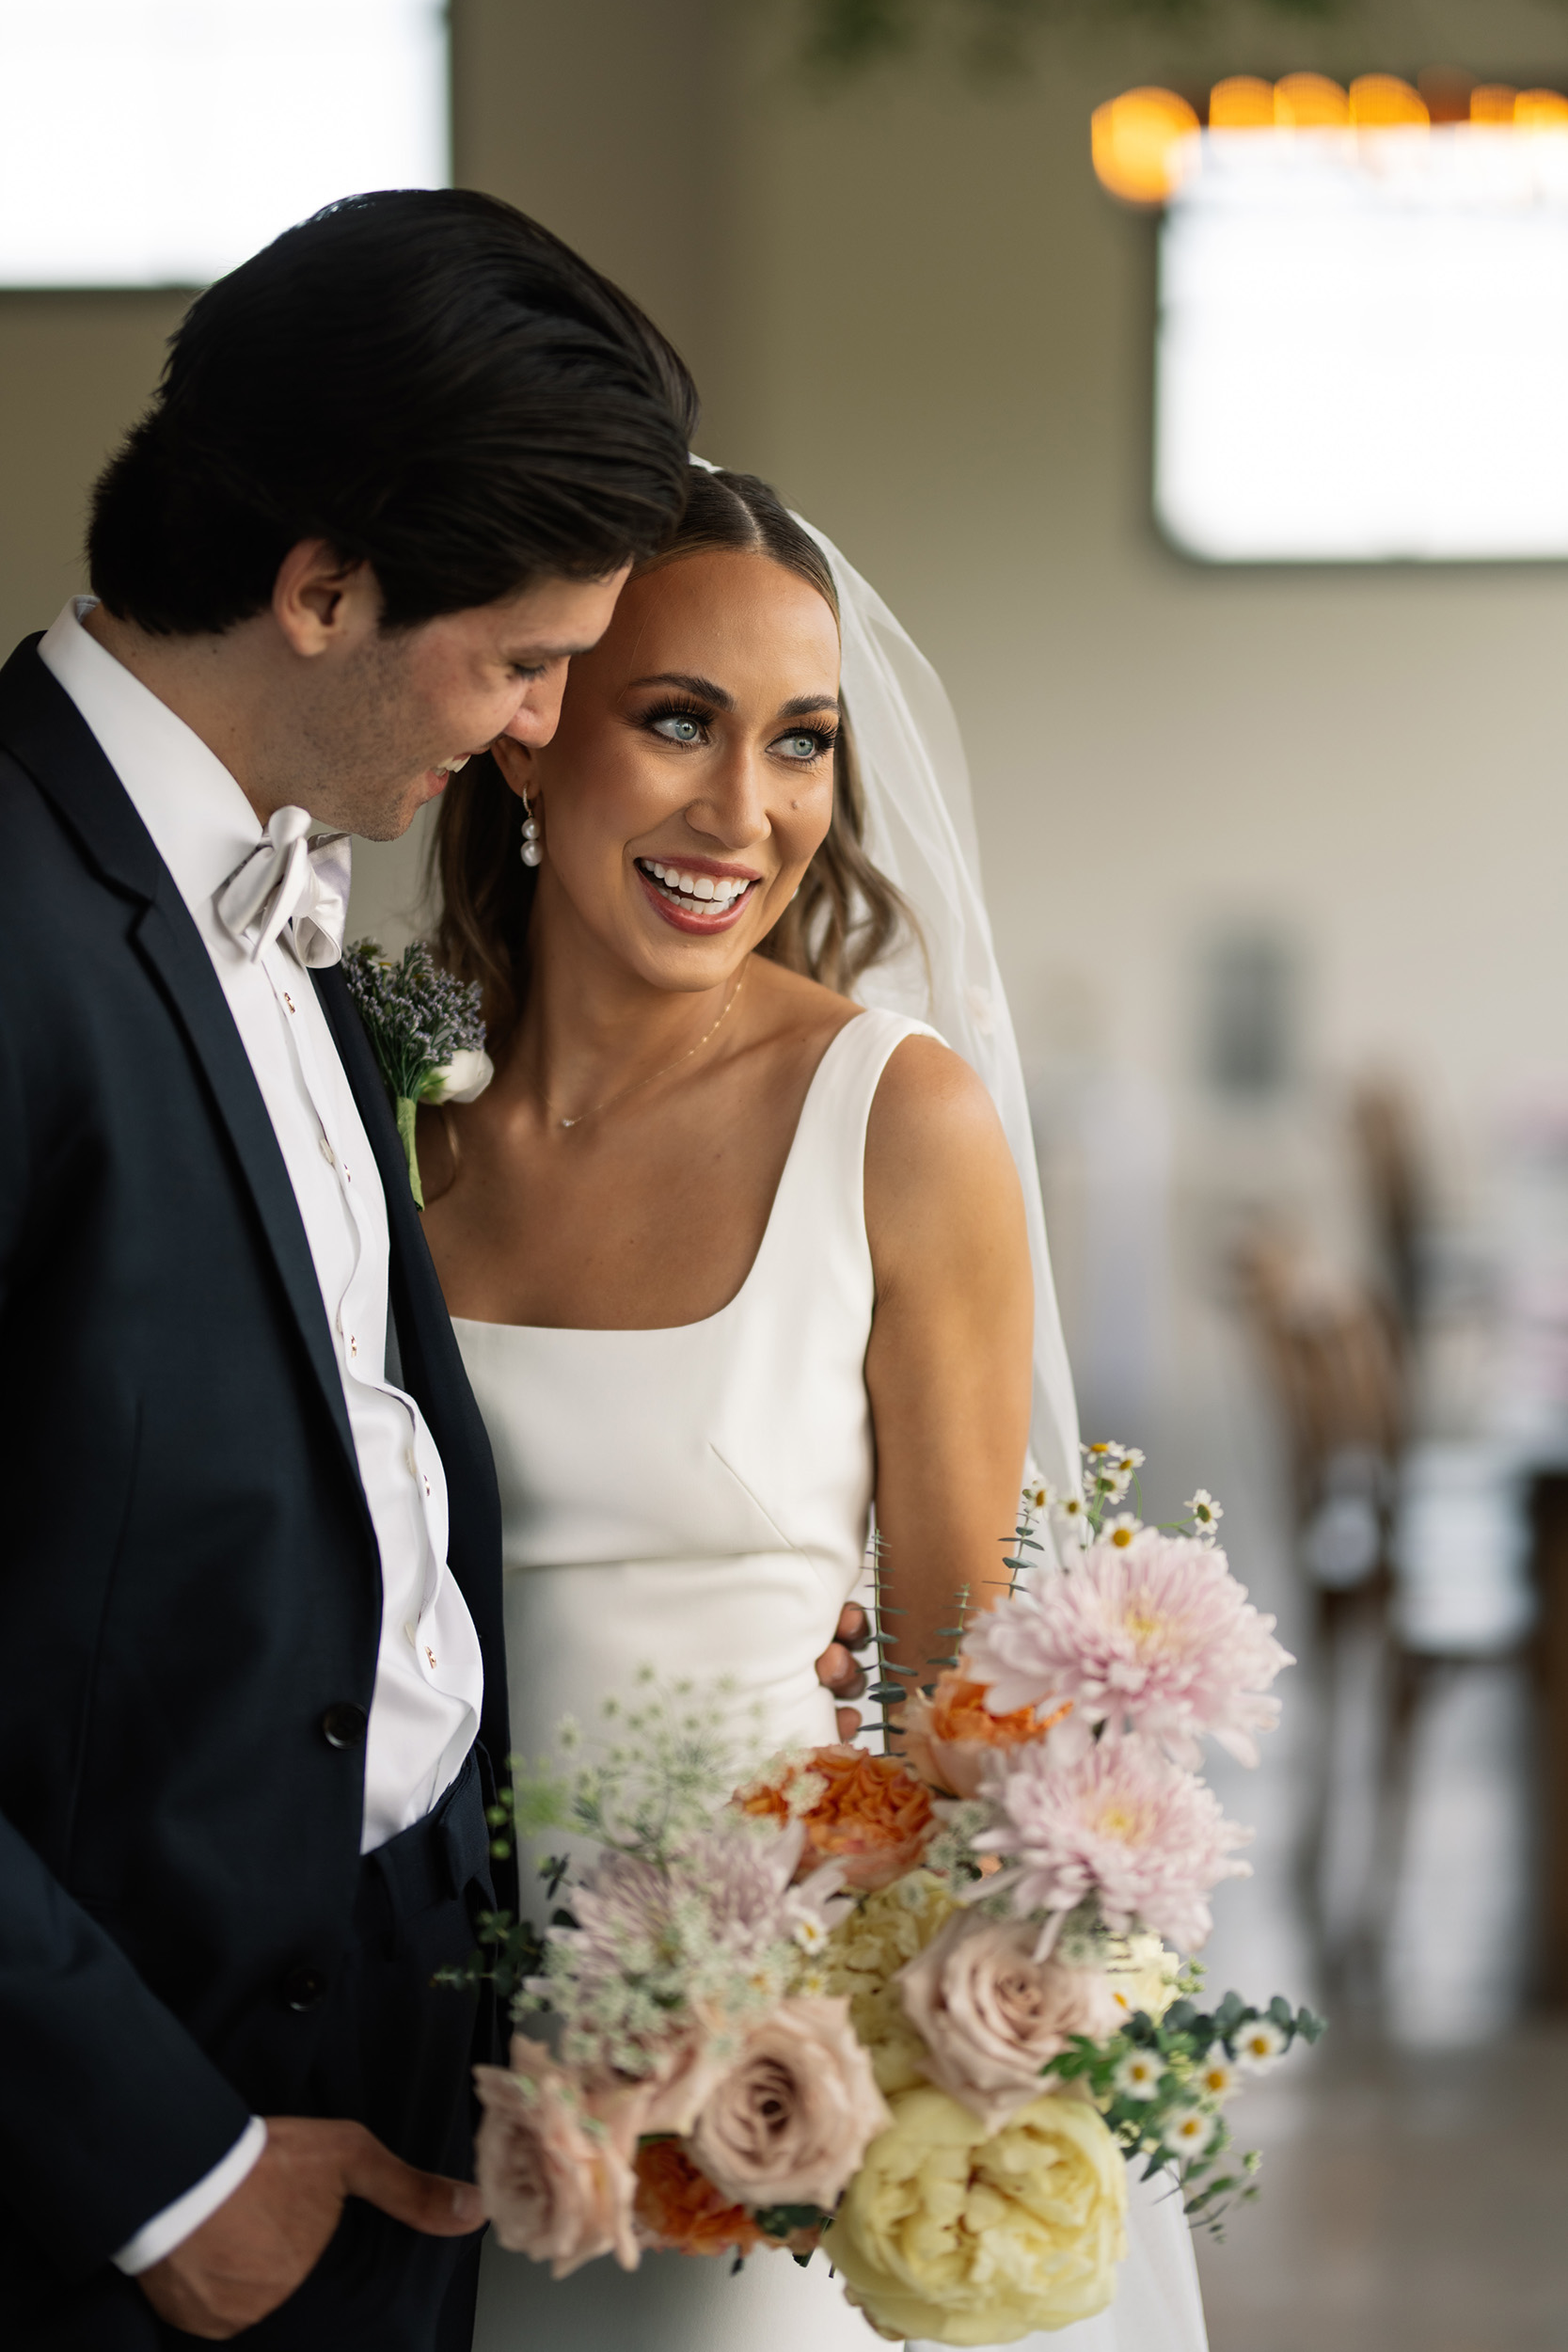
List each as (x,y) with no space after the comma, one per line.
(912,306)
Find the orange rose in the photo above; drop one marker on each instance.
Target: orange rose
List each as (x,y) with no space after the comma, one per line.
(952,1737)
(870,1813)
(677,2209)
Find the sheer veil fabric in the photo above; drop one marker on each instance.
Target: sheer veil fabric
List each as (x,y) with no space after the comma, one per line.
(920,832)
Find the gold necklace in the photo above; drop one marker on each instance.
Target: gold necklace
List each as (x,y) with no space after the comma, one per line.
(660,1073)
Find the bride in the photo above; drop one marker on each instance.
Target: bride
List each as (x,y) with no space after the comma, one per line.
(736,1248)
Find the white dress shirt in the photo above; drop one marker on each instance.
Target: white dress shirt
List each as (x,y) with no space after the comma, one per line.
(429,1680)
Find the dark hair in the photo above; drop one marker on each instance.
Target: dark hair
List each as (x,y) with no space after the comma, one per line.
(845,915)
(424,378)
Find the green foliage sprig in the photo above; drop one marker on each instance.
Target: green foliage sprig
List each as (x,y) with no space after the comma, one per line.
(1161,2085)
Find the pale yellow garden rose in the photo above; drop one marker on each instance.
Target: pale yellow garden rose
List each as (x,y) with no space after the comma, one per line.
(959,2238)
(1141,1974)
(863,1955)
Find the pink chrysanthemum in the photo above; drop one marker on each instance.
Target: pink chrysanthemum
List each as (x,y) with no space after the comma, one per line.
(1120,1823)
(1156,1636)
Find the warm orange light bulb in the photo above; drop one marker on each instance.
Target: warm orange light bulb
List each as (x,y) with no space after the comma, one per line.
(1242,103)
(1381,102)
(1133,141)
(1492,101)
(1310,102)
(1540,110)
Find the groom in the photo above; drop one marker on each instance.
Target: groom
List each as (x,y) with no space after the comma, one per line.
(392,481)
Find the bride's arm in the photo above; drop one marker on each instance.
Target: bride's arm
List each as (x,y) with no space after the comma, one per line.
(948,1365)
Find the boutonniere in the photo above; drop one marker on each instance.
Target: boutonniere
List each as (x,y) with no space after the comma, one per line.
(426,1030)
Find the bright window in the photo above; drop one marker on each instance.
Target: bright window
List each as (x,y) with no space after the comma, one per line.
(1363,345)
(158,142)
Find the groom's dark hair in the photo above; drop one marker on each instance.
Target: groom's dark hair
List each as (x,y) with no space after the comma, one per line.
(427,380)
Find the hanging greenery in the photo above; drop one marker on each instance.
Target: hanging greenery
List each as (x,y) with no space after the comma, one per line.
(841,37)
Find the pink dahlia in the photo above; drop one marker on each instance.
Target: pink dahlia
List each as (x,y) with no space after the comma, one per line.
(1120,1823)
(1154,1636)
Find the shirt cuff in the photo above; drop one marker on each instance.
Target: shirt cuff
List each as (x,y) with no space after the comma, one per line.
(179,2221)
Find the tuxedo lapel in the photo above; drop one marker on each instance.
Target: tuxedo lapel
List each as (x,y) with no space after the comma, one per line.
(42,728)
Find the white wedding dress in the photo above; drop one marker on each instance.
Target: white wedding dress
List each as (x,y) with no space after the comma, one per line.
(697,1500)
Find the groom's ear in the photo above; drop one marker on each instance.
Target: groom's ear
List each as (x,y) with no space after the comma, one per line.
(321,604)
(515,762)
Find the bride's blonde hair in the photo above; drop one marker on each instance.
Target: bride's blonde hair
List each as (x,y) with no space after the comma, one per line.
(846,916)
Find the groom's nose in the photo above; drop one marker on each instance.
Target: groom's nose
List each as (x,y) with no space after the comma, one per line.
(538,714)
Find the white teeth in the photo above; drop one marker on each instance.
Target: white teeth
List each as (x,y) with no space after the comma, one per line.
(722,889)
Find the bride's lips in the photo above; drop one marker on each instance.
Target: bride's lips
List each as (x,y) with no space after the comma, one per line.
(698,918)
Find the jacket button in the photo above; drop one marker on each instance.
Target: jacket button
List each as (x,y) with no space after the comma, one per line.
(343,1726)
(302,1988)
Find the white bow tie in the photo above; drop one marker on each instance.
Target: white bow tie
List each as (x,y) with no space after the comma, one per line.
(290,882)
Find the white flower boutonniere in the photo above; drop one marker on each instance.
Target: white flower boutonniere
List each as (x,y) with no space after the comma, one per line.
(426,1030)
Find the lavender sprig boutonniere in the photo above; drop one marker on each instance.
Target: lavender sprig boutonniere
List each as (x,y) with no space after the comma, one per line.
(426,1030)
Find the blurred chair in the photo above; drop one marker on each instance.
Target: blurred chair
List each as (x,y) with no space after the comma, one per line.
(1336,1355)
(1388,1145)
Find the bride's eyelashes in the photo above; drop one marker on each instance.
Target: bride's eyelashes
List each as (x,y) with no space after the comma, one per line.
(688,725)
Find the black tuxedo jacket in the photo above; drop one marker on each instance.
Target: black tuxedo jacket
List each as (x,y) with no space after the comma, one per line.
(189,1578)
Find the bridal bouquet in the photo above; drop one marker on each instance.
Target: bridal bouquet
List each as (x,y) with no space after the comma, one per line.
(921,2010)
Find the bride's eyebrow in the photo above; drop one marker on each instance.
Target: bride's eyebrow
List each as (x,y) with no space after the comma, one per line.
(700,689)
(802,705)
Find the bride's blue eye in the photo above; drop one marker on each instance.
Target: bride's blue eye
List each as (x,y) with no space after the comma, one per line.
(804,746)
(678,726)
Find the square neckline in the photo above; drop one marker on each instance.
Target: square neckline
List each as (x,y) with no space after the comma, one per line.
(653,1330)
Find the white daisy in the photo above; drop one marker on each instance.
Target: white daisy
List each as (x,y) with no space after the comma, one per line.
(1260,2045)
(1121,1530)
(1073,1519)
(1139,2075)
(1218,2076)
(1190,2133)
(1204,1510)
(810,1933)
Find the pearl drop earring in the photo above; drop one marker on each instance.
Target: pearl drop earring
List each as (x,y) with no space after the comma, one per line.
(533,849)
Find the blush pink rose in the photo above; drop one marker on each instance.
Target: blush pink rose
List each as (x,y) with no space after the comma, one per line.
(992,2016)
(556,2177)
(794,2114)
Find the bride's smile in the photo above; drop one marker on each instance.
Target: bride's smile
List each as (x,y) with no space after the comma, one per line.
(695,895)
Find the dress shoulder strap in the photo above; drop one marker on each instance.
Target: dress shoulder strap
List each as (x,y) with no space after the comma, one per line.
(819,1210)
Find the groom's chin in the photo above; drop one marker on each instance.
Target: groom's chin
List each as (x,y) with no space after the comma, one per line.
(390,822)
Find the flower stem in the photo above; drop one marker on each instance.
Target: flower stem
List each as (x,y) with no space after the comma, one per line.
(407,1111)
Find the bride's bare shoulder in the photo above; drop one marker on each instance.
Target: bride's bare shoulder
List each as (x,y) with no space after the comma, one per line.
(936,1156)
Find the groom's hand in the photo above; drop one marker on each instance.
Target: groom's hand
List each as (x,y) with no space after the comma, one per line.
(251,2254)
(837,1670)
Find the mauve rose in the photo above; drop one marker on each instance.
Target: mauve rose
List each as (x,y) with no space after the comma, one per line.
(672,2098)
(992,2017)
(557,2180)
(796,2111)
